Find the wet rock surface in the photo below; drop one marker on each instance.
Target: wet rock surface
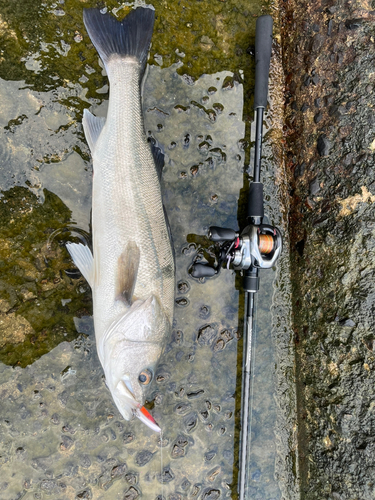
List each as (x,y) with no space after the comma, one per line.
(329,56)
(58,419)
(61,435)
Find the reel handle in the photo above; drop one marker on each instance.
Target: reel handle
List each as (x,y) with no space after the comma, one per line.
(202,271)
(216,233)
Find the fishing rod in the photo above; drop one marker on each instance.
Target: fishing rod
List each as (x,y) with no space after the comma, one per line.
(258,246)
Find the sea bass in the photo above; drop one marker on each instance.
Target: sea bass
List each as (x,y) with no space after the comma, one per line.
(131,271)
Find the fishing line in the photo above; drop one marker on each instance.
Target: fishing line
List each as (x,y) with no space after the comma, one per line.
(161,464)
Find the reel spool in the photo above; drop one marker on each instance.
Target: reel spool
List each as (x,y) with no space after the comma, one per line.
(266,244)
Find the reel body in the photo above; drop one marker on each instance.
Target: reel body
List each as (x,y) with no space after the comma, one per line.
(258,246)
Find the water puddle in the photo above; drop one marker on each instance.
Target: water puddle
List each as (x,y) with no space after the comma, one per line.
(61,435)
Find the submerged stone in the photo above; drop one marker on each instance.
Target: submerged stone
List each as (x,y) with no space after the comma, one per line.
(166,476)
(131,494)
(323,146)
(143,457)
(211,494)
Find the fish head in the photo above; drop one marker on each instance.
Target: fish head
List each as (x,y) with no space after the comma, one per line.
(131,349)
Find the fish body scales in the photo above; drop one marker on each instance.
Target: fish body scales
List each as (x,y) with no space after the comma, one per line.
(127,204)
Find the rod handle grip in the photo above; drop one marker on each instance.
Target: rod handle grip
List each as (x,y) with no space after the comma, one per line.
(263,47)
(255,200)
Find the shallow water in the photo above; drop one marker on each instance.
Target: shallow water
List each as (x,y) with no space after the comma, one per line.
(61,435)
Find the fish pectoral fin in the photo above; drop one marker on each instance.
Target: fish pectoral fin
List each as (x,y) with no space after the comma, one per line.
(92,126)
(83,259)
(128,265)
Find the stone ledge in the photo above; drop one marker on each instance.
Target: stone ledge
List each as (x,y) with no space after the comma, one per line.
(329,60)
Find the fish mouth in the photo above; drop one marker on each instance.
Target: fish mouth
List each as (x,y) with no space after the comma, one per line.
(146,417)
(128,405)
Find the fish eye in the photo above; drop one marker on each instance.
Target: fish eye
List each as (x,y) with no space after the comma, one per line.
(145,377)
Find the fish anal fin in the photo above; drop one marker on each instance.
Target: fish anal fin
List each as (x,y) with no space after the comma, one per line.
(128,265)
(92,126)
(83,259)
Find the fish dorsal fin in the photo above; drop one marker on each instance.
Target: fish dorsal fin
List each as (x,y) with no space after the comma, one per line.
(92,126)
(83,259)
(128,264)
(158,155)
(170,237)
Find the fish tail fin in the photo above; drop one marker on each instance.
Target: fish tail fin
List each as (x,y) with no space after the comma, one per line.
(130,37)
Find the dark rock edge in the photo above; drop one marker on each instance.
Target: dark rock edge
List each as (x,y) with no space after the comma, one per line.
(329,63)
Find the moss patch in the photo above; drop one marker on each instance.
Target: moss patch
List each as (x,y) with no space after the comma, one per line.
(37,298)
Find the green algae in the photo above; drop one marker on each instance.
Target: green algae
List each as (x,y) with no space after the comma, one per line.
(46,44)
(34,285)
(208,37)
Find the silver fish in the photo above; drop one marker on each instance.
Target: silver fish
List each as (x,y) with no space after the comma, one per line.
(131,271)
